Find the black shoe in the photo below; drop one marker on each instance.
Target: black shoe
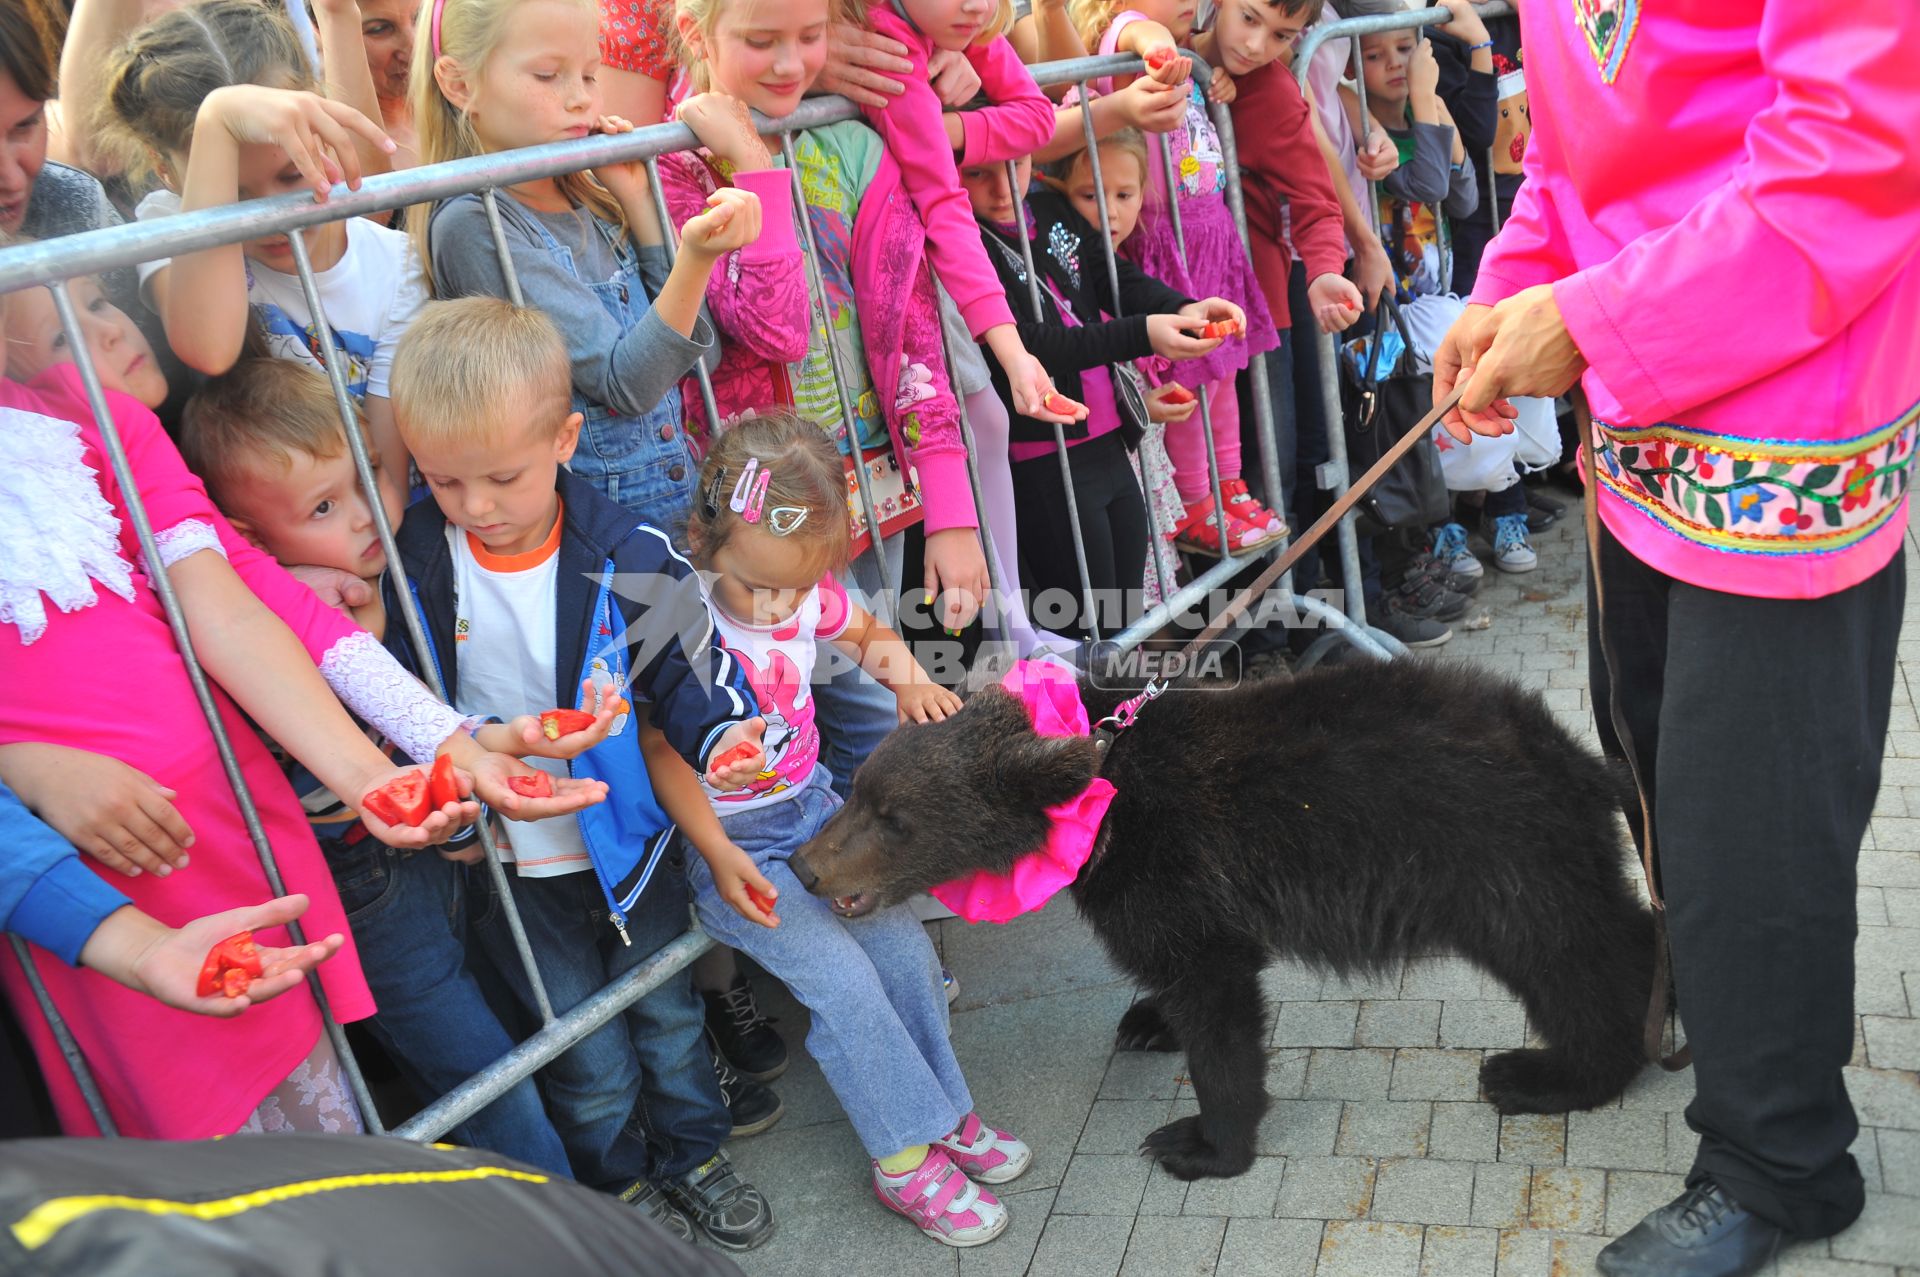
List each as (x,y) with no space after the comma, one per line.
(1425,565)
(1411,630)
(1538,500)
(1419,595)
(1701,1233)
(754,1107)
(730,1211)
(745,1038)
(657,1208)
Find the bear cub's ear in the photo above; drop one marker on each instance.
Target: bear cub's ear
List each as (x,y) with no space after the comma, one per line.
(1045,771)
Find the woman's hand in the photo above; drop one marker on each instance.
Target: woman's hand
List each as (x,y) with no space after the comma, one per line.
(722,124)
(956,575)
(732,220)
(954,80)
(734,874)
(163,962)
(925,701)
(864,65)
(626,180)
(1377,157)
(1153,107)
(1221,88)
(1172,337)
(1520,347)
(316,133)
(1335,302)
(122,817)
(1169,413)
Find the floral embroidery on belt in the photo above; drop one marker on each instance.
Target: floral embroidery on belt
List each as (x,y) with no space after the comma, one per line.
(1761,496)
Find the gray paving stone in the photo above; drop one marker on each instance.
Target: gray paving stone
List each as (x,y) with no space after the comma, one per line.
(1538,1139)
(1887,1232)
(1252,1195)
(1885,1097)
(1568,1199)
(1385,1129)
(1164,1195)
(1871,907)
(1363,1249)
(1805,1261)
(1287,1072)
(1118,1126)
(1884,867)
(1399,1023)
(1900,1162)
(1682,1144)
(1436,1075)
(1173,1248)
(1891,1043)
(1459,1252)
(1422,1191)
(1381,984)
(1902,905)
(1525,1254)
(1470,1023)
(1269,1248)
(1617,1139)
(1866,1155)
(1143,1075)
(1659,1090)
(1464,1133)
(1326,1188)
(1443,979)
(1360,1074)
(1632,1195)
(1290,981)
(1300,1128)
(1078,1246)
(1102,1185)
(1315,1024)
(1011,1254)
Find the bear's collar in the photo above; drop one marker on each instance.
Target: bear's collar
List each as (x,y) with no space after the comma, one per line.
(1052,698)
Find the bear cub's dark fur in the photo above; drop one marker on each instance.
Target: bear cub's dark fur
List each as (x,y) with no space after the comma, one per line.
(1347,819)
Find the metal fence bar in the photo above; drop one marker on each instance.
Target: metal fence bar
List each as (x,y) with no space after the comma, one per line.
(490,201)
(1088,602)
(76,1061)
(202,690)
(856,454)
(409,613)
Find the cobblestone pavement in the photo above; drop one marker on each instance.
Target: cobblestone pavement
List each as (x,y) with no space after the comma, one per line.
(1378,1159)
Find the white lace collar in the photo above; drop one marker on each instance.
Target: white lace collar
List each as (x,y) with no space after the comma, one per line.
(58,535)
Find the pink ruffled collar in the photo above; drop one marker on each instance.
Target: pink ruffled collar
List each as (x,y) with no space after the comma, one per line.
(1052,697)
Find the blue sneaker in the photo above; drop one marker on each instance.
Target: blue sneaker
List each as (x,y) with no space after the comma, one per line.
(1512,549)
(1450,551)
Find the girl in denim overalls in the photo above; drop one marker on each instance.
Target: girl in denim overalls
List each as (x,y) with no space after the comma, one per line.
(588,250)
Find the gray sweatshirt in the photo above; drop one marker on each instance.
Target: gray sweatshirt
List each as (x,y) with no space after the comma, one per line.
(628,373)
(1429,177)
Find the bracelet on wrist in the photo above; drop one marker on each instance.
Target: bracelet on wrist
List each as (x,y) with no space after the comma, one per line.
(1475,48)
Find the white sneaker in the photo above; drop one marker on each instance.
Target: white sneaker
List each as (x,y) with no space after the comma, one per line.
(1512,548)
(1450,548)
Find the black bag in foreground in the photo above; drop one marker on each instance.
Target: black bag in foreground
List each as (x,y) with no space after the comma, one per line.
(1379,407)
(315,1206)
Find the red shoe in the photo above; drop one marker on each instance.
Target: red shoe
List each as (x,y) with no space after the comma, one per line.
(1199,531)
(1240,501)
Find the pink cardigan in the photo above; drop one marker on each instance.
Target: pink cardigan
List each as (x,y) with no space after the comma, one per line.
(1726,200)
(1019,122)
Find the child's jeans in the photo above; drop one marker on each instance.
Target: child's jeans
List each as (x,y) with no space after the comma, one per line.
(872,984)
(647,1068)
(409,918)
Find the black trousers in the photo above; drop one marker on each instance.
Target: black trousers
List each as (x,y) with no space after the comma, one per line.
(1113,526)
(1760,725)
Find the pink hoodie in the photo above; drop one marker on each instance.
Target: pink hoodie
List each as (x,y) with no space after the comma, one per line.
(1018,123)
(1725,196)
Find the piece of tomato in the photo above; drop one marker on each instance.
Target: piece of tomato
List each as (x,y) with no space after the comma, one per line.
(538,785)
(556,723)
(1175,393)
(442,788)
(1157,58)
(761,902)
(234,982)
(404,800)
(234,959)
(739,753)
(1059,404)
(1219,328)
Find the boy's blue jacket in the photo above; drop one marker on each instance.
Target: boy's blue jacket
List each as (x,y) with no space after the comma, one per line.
(630,612)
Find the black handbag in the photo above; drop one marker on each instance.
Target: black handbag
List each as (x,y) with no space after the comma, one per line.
(1380,407)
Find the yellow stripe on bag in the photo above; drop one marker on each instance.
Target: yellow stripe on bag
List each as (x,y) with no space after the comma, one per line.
(48,1218)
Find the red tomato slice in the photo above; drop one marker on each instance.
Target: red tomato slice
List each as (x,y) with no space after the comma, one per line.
(763,903)
(556,723)
(442,788)
(1175,393)
(238,950)
(401,801)
(1220,328)
(1055,402)
(538,785)
(739,753)
(234,982)
(235,959)
(1158,58)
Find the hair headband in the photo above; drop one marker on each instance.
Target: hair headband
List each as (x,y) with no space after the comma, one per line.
(439,7)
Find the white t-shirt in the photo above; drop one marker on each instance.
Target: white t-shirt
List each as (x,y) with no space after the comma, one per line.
(370,296)
(503,643)
(779,662)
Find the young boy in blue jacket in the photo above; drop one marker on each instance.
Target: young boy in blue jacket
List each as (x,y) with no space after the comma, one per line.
(530,583)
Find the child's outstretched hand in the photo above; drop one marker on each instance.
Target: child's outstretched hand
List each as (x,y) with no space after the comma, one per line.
(1335,301)
(442,822)
(1171,404)
(739,881)
(1031,386)
(1174,337)
(526,736)
(1215,310)
(520,792)
(165,962)
(927,702)
(738,772)
(732,220)
(316,133)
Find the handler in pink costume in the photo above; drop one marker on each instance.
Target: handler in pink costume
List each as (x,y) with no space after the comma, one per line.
(1717,238)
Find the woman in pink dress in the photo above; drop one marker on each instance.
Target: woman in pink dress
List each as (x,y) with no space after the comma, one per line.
(78,618)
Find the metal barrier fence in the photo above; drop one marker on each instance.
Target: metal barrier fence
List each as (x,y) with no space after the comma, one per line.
(54,262)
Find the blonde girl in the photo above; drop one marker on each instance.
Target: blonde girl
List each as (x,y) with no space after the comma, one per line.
(767,529)
(587,248)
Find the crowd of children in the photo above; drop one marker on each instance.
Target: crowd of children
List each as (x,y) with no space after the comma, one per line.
(869,300)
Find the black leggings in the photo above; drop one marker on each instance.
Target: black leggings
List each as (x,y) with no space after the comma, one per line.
(1113,524)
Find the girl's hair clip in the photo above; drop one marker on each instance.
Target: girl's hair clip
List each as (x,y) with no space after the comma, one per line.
(785,520)
(710,499)
(743,487)
(757,499)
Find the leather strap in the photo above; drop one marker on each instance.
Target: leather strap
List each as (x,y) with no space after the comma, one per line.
(1654,1029)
